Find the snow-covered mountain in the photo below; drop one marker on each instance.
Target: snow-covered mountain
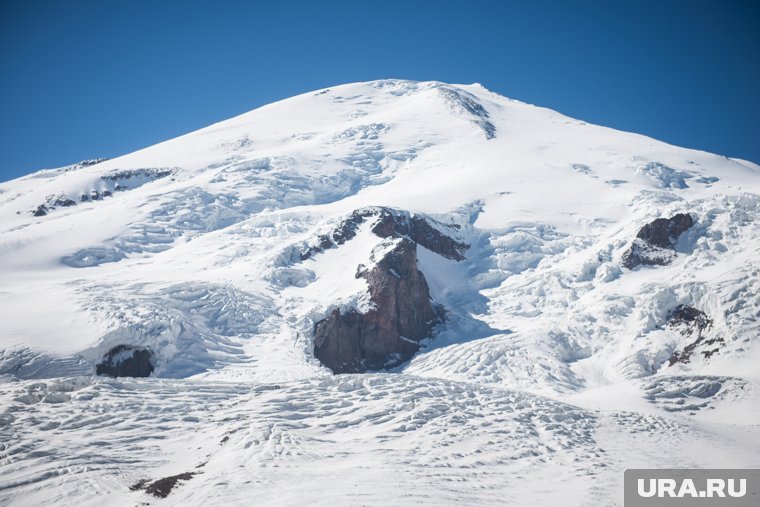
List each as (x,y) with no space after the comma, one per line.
(518,305)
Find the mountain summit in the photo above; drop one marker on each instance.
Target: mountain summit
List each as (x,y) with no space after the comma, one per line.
(390,292)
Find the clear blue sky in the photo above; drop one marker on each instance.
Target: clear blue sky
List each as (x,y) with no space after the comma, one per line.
(82,79)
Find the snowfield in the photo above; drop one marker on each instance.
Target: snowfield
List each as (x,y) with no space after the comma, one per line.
(555,366)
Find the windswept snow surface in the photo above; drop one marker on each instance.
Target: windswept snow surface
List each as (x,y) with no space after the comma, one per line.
(549,376)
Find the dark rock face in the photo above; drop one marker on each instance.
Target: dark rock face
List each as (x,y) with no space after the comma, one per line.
(88,163)
(460,100)
(51,203)
(655,242)
(392,223)
(664,232)
(690,316)
(695,324)
(162,487)
(126,361)
(118,180)
(64,202)
(403,313)
(147,174)
(388,334)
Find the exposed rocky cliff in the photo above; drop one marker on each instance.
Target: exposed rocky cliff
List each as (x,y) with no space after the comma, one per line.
(655,242)
(402,312)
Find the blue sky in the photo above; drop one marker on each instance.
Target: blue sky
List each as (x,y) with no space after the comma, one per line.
(83,79)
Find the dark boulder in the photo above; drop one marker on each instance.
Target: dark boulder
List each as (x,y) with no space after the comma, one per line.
(126,361)
(655,242)
(388,334)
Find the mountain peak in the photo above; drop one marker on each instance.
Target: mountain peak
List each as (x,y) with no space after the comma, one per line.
(527,288)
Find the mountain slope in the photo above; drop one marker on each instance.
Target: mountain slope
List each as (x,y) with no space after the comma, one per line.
(219,255)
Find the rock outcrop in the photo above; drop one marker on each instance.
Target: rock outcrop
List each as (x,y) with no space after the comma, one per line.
(162,487)
(391,222)
(458,100)
(116,181)
(655,242)
(695,325)
(126,361)
(52,202)
(402,312)
(91,162)
(388,334)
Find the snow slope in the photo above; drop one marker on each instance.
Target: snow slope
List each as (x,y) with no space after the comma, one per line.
(549,377)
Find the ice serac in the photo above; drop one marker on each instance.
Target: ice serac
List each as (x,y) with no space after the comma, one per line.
(655,242)
(402,312)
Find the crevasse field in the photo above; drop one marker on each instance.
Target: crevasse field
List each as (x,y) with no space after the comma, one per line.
(556,366)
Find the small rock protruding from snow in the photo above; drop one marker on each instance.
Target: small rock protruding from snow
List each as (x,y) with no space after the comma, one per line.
(694,324)
(126,361)
(162,487)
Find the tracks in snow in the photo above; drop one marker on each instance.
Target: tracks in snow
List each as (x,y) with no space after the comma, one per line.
(332,440)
